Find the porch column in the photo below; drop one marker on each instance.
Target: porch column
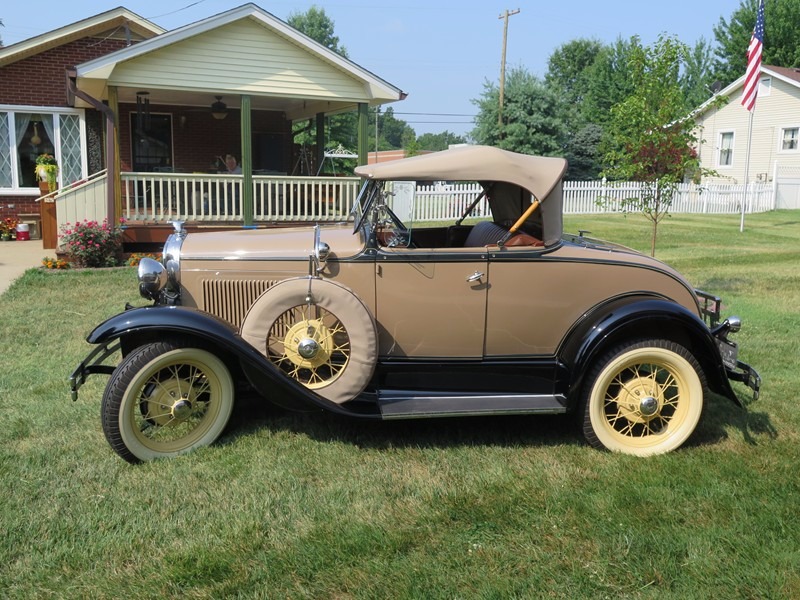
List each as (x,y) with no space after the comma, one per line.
(113,166)
(247,162)
(363,135)
(320,140)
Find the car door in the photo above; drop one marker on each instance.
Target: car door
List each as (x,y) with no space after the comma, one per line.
(431,302)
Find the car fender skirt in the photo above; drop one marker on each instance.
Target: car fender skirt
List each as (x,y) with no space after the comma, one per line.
(143,325)
(642,317)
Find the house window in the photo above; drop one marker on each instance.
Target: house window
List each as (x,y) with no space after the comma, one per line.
(790,138)
(764,87)
(27,132)
(725,158)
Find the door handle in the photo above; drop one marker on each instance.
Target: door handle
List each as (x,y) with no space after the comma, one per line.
(476,276)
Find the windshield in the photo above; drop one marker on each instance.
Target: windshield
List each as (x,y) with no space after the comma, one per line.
(366,197)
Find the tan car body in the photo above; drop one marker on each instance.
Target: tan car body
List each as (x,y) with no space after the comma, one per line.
(525,304)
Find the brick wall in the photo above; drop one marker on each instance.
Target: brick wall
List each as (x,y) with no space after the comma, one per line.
(40,81)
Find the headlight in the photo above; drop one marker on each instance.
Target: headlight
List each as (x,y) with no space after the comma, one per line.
(152,278)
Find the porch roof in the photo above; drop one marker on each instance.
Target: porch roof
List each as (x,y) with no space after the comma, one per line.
(245,50)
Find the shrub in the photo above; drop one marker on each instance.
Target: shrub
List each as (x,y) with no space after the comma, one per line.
(92,244)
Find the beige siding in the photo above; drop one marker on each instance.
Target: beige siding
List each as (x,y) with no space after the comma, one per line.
(779,109)
(244,56)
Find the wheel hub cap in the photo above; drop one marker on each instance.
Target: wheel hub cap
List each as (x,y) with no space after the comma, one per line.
(181,409)
(308,348)
(308,344)
(648,406)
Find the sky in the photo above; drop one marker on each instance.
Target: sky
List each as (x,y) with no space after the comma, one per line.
(441,52)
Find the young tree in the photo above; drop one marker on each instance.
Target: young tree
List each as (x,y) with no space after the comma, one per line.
(649,138)
(532,122)
(781,40)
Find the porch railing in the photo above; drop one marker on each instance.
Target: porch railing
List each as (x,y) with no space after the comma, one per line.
(163,197)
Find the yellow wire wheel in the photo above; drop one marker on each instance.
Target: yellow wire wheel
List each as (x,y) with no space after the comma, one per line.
(166,399)
(326,340)
(643,398)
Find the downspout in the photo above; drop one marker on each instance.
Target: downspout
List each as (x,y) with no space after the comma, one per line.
(111,174)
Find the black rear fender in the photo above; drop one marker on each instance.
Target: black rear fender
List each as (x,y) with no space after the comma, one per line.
(641,317)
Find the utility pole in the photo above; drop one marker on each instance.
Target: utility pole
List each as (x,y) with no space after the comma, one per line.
(504,16)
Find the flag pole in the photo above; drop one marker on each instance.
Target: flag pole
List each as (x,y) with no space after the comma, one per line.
(747,168)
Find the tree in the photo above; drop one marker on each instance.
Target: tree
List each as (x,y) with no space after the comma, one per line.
(393,131)
(608,81)
(781,41)
(648,138)
(698,75)
(582,151)
(532,122)
(568,68)
(317,25)
(439,141)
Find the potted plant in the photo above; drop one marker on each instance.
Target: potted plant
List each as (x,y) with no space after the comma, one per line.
(8,226)
(47,172)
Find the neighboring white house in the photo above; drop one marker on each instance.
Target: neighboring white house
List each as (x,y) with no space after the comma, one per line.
(775,146)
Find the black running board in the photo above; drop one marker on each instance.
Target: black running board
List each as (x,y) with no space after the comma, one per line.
(405,404)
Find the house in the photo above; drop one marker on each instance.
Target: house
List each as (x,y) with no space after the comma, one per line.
(159,111)
(775,141)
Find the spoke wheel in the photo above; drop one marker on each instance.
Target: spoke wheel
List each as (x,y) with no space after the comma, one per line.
(166,399)
(327,341)
(309,344)
(643,398)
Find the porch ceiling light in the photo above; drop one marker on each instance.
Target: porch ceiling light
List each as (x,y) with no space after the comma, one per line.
(218,109)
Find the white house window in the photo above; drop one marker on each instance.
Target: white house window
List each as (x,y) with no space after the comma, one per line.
(764,87)
(725,158)
(790,139)
(27,132)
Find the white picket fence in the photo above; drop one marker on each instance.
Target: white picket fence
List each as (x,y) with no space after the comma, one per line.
(444,202)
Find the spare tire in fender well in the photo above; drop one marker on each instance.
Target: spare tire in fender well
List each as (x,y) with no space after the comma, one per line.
(318,333)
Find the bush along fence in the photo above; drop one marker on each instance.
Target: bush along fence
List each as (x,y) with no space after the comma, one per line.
(444,202)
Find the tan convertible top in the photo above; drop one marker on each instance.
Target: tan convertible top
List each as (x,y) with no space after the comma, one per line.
(537,174)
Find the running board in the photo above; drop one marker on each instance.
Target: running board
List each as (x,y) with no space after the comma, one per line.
(405,404)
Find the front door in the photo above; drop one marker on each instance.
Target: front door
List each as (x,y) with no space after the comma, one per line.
(425,305)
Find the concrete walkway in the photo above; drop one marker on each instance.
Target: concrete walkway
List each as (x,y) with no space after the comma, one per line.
(18,257)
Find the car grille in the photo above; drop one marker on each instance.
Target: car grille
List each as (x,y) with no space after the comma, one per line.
(230,300)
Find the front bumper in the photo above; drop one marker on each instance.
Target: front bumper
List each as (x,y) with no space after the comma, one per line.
(92,364)
(747,375)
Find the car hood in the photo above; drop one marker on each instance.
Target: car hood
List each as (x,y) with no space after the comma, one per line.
(274,243)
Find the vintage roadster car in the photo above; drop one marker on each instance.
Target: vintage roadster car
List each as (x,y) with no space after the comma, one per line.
(384,319)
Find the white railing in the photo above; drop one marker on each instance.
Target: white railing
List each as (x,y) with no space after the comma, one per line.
(163,197)
(83,200)
(448,202)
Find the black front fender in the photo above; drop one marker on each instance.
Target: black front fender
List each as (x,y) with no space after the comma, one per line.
(144,325)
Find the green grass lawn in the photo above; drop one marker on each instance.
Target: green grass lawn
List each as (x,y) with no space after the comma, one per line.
(315,506)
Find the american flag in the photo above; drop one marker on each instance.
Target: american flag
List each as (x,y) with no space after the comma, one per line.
(751,77)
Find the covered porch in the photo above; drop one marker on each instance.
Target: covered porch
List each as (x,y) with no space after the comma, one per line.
(242,83)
